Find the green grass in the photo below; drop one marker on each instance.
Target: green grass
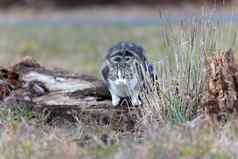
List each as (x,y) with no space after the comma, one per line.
(72,47)
(77,47)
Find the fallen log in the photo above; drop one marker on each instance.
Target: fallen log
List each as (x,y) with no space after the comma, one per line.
(60,93)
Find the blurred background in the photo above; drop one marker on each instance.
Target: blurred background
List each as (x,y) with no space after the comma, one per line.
(77,3)
(75,35)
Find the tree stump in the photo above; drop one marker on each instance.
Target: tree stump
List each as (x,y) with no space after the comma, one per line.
(220,99)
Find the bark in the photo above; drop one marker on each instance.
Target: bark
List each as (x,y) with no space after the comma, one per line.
(220,98)
(58,93)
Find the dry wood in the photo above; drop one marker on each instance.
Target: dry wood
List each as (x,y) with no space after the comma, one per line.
(63,94)
(220,99)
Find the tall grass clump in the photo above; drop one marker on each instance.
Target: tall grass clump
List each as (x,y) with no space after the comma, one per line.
(181,72)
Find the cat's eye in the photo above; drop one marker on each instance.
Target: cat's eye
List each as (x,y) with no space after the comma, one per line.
(127,58)
(116,59)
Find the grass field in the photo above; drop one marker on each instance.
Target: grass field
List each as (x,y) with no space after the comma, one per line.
(73,47)
(178,52)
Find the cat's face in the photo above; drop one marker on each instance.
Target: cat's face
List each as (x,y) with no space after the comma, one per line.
(122,71)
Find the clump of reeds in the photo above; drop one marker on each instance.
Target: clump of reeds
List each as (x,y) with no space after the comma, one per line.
(181,74)
(180,77)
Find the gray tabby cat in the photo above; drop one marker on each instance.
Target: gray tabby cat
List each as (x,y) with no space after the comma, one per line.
(123,72)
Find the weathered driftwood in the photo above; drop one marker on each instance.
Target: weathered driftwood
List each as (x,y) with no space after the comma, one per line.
(63,94)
